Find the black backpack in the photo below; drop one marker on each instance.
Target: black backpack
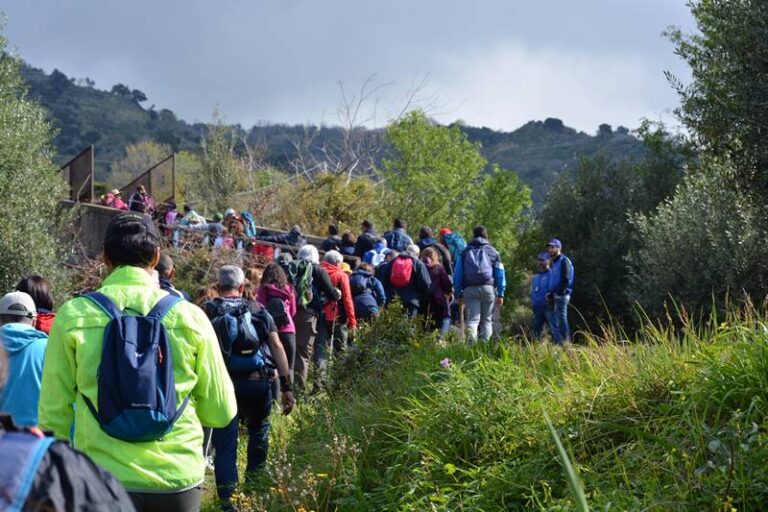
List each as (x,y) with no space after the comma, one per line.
(276,307)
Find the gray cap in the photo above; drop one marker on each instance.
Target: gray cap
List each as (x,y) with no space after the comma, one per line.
(18,304)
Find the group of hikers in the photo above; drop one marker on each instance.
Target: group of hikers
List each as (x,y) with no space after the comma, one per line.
(149,385)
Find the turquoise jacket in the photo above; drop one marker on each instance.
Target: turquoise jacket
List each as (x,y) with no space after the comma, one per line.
(25,347)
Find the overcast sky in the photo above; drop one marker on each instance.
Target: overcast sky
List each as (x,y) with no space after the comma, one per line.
(495,63)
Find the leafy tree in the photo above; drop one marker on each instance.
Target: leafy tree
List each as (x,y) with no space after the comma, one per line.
(138,158)
(433,171)
(700,246)
(30,186)
(138,96)
(121,90)
(221,175)
(726,105)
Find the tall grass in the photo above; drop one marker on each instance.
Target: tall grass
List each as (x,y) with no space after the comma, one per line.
(674,420)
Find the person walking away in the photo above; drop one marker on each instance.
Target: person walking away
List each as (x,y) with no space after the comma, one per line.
(142,202)
(294,237)
(560,288)
(426,240)
(348,243)
(435,308)
(479,282)
(184,377)
(406,277)
(39,289)
(539,291)
(279,298)
(58,478)
(166,272)
(338,317)
(313,290)
(454,242)
(333,242)
(367,293)
(25,347)
(367,239)
(377,255)
(397,239)
(247,335)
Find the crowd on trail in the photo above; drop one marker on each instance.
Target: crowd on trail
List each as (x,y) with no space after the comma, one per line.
(151,386)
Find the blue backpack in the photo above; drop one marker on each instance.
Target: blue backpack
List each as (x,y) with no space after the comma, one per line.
(249,224)
(22,454)
(137,390)
(455,244)
(478,268)
(242,332)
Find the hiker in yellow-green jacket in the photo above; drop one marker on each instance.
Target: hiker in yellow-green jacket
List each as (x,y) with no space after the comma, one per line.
(164,474)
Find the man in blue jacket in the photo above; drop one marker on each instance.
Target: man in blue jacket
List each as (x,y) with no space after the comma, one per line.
(539,291)
(560,289)
(25,347)
(479,281)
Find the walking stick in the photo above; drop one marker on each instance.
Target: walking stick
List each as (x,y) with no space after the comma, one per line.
(462,332)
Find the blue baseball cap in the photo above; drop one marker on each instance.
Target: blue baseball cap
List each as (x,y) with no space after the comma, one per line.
(555,243)
(544,256)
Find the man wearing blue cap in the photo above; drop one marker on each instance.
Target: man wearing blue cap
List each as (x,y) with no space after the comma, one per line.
(560,289)
(539,291)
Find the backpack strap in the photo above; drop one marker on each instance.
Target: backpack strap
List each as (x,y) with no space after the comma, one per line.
(163,306)
(105,303)
(22,454)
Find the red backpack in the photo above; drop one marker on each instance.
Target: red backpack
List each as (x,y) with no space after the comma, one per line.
(402,268)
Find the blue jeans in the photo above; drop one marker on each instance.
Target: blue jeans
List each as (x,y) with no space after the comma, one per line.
(254,403)
(541,317)
(558,320)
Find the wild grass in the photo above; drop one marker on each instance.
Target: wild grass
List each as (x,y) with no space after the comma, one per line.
(673,420)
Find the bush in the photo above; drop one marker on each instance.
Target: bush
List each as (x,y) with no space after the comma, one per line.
(700,246)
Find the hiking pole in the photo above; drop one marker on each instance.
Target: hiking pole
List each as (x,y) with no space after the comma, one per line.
(462,332)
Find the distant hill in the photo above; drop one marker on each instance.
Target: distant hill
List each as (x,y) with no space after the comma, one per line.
(112,120)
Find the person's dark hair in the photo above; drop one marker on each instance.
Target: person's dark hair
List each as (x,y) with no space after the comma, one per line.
(164,266)
(400,223)
(275,275)
(348,239)
(131,240)
(37,287)
(425,232)
(187,208)
(367,225)
(480,232)
(333,230)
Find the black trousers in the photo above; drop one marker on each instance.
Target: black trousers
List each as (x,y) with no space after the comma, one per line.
(185,501)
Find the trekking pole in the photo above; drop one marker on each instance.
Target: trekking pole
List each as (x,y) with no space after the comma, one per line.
(462,334)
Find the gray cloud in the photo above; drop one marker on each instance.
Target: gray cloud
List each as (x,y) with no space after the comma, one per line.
(496,62)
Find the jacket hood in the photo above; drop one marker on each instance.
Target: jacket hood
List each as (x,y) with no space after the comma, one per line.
(478,241)
(426,242)
(274,291)
(331,269)
(16,336)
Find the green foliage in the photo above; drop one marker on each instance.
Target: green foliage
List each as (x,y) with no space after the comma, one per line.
(700,245)
(221,174)
(138,158)
(30,187)
(431,174)
(726,105)
(328,198)
(672,423)
(590,211)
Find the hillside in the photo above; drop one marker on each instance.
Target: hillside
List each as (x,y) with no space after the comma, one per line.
(112,120)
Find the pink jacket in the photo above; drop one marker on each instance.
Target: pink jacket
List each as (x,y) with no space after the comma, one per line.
(289,299)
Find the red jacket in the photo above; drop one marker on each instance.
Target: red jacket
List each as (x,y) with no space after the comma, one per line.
(340,280)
